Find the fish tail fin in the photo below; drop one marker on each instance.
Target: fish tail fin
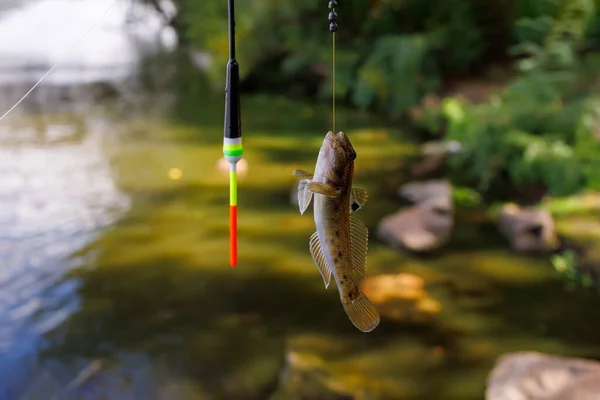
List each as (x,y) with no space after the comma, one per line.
(362,313)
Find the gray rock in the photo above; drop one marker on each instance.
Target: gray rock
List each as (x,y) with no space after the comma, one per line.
(425,226)
(527,230)
(537,376)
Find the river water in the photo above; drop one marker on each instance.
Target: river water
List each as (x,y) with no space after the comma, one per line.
(114,250)
(56,191)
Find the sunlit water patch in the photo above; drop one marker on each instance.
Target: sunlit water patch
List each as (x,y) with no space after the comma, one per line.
(55,197)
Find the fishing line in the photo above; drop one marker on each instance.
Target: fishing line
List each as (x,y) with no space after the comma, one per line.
(333,27)
(59,61)
(333,82)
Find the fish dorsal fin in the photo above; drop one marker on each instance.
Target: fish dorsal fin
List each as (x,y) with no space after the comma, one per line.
(319,259)
(304,195)
(358,199)
(359,242)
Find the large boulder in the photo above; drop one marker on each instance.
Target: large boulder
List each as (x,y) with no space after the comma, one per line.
(528,230)
(537,376)
(425,226)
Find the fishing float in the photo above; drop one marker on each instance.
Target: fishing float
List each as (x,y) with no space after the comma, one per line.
(232,140)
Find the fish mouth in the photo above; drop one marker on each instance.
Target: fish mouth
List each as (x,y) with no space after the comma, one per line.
(331,139)
(335,139)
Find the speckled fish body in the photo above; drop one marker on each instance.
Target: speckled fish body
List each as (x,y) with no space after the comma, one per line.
(339,245)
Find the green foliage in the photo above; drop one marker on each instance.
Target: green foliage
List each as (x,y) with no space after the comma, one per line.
(429,116)
(566,264)
(533,141)
(562,35)
(544,128)
(389,53)
(403,67)
(382,80)
(465,198)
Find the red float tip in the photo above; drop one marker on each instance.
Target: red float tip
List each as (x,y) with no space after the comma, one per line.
(233,235)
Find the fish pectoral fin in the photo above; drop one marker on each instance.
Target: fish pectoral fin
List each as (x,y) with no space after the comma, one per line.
(362,313)
(358,199)
(302,173)
(324,189)
(319,258)
(359,244)
(304,195)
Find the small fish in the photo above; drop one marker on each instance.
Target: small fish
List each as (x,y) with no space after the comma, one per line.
(339,246)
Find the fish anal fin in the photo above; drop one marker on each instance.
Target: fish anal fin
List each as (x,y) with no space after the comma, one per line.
(362,313)
(359,244)
(324,189)
(319,258)
(358,199)
(304,195)
(302,173)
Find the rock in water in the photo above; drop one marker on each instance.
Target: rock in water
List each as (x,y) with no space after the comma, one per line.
(528,230)
(425,226)
(382,288)
(537,376)
(422,227)
(400,297)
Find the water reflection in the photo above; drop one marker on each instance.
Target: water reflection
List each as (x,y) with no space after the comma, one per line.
(48,29)
(56,185)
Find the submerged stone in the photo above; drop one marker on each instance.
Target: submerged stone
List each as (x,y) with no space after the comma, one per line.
(537,376)
(384,288)
(401,297)
(423,227)
(528,230)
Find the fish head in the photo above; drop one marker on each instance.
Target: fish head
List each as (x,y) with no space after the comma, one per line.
(339,155)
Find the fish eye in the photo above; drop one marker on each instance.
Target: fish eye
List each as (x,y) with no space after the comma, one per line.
(351,155)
